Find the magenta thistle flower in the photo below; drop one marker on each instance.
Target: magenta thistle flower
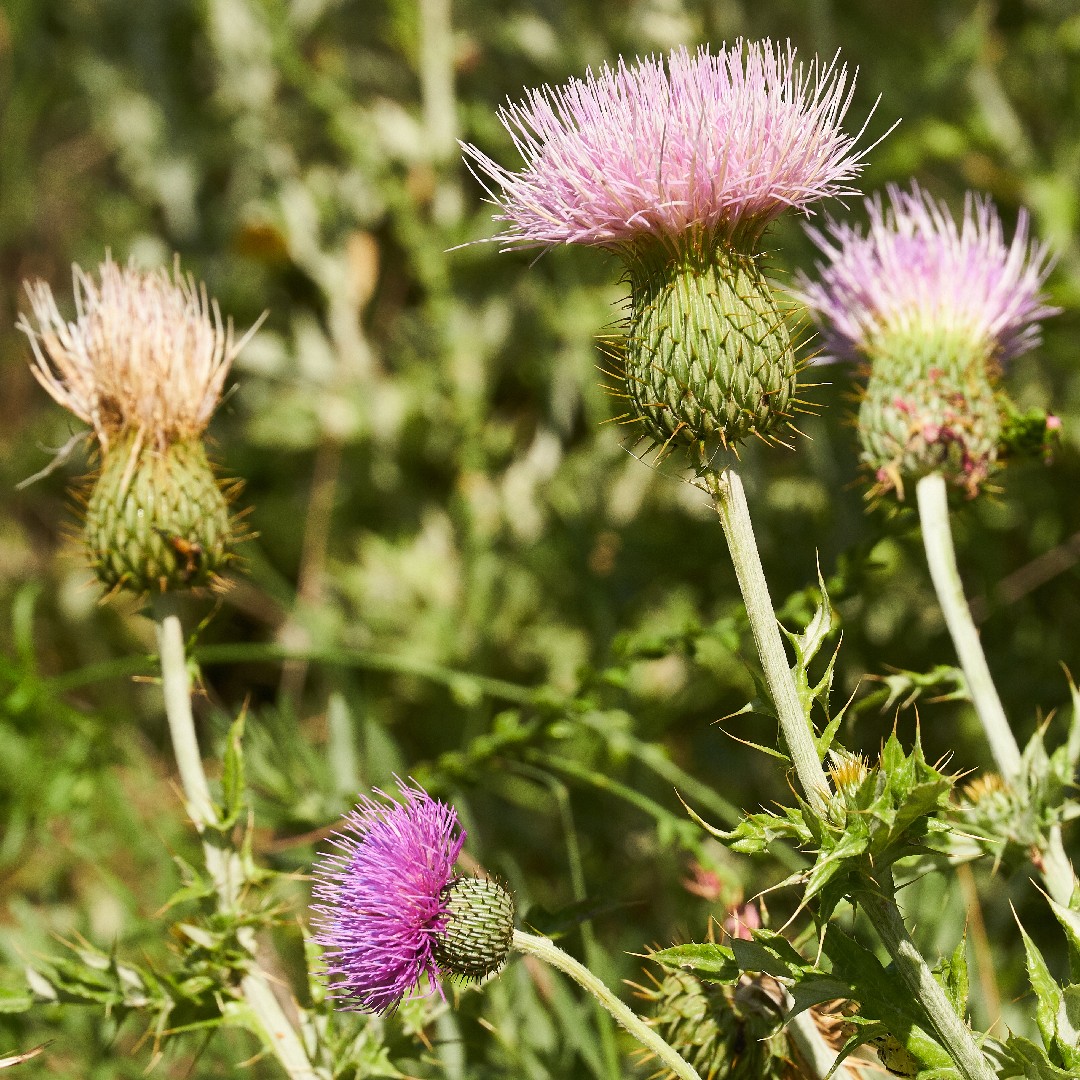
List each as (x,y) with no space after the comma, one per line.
(383,898)
(703,143)
(915,271)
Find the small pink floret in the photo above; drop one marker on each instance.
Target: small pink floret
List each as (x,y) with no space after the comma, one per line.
(703,142)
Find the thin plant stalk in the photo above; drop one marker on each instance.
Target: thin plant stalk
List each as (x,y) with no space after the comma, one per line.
(727,490)
(222,862)
(931,495)
(546,950)
(884,914)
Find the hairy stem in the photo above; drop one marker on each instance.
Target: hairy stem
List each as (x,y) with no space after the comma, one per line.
(952,1031)
(882,910)
(1054,865)
(727,491)
(223,863)
(933,503)
(545,949)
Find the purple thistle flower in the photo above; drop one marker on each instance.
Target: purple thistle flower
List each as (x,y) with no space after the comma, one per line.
(915,271)
(713,145)
(383,898)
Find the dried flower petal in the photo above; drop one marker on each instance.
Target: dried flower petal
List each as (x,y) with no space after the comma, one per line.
(147,353)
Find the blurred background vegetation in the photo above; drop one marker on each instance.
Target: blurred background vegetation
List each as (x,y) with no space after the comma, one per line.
(477,581)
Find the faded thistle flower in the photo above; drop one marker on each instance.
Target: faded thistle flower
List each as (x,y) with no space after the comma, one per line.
(143,363)
(390,910)
(936,308)
(678,165)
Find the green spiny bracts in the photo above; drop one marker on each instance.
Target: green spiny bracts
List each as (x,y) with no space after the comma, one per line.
(157,520)
(479,928)
(725,1032)
(708,358)
(930,406)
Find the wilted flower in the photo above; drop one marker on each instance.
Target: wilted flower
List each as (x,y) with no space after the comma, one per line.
(147,353)
(936,308)
(143,363)
(391,911)
(678,166)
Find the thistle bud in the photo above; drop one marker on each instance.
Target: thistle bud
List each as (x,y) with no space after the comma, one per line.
(144,364)
(479,927)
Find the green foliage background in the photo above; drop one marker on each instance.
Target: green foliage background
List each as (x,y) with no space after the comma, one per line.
(492,593)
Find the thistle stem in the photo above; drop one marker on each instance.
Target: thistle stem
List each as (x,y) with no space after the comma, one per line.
(1054,865)
(730,497)
(882,910)
(933,503)
(222,863)
(952,1031)
(545,949)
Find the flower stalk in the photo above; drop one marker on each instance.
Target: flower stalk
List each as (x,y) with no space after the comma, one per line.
(222,862)
(882,911)
(955,1035)
(546,950)
(1054,866)
(726,488)
(932,498)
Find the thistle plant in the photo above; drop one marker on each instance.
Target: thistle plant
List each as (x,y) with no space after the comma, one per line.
(144,363)
(937,310)
(679,167)
(391,911)
(392,914)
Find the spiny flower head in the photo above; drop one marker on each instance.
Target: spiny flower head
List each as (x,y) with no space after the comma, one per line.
(703,143)
(147,353)
(915,271)
(390,909)
(143,363)
(937,307)
(678,165)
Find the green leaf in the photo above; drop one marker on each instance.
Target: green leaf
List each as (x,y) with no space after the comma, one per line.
(15,1001)
(232,777)
(1031,1062)
(953,976)
(706,960)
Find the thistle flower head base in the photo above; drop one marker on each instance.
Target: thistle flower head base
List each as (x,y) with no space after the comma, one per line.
(708,359)
(930,407)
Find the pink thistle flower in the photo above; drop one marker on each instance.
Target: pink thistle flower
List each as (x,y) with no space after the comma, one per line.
(916,272)
(383,898)
(710,145)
